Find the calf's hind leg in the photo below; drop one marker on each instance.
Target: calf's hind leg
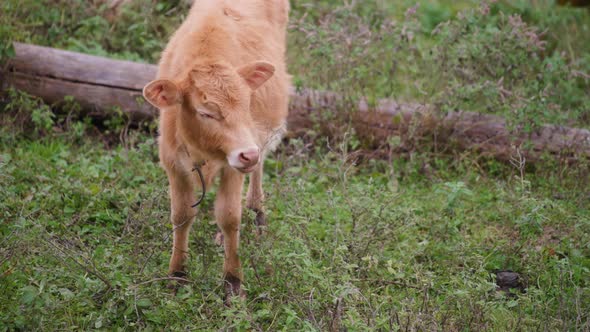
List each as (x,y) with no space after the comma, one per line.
(255,196)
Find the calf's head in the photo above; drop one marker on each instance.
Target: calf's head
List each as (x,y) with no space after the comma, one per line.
(214,101)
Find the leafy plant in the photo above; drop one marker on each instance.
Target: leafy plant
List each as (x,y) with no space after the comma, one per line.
(496,63)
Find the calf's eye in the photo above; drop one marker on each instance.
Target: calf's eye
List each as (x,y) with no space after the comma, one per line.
(205,115)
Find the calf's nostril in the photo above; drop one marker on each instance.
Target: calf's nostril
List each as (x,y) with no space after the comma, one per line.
(249,158)
(244,158)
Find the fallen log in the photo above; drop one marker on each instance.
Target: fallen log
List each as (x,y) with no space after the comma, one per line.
(97,83)
(100,84)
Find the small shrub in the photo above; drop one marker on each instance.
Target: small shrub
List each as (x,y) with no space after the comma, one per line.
(498,64)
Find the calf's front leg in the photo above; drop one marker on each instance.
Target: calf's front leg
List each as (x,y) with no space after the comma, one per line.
(182,215)
(228,213)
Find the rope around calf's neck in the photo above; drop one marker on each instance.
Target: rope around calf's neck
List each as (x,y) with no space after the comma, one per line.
(203,185)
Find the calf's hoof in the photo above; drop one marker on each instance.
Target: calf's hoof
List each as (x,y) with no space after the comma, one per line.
(219,238)
(178,278)
(260,222)
(260,219)
(233,287)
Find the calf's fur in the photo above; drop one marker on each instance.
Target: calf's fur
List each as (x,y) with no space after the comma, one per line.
(222,91)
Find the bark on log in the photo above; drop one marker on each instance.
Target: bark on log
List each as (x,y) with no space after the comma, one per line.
(100,84)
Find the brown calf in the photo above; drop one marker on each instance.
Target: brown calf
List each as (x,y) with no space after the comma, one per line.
(222,91)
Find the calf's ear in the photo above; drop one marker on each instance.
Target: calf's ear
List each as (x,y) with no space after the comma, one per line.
(256,73)
(162,93)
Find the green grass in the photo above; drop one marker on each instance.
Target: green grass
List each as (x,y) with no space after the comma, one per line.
(373,246)
(407,244)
